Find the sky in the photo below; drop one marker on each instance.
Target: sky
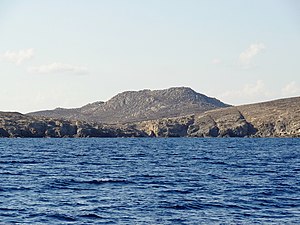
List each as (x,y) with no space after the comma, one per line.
(64,53)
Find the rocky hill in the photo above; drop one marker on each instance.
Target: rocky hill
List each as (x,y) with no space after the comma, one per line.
(279,118)
(134,106)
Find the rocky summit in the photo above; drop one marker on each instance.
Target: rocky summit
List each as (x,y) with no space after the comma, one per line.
(279,118)
(135,106)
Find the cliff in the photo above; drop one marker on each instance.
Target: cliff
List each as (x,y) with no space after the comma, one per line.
(279,118)
(18,125)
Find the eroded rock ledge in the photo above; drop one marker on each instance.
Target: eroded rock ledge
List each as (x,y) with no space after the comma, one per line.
(19,125)
(280,118)
(230,124)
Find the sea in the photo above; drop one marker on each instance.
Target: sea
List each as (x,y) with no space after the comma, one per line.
(150,181)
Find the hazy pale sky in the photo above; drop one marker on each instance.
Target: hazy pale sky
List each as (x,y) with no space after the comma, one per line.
(63,53)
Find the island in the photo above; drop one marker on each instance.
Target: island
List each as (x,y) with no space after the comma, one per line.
(173,112)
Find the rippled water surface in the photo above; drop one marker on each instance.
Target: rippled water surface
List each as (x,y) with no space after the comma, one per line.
(150,181)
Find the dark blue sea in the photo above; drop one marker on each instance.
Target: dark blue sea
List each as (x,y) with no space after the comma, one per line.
(150,181)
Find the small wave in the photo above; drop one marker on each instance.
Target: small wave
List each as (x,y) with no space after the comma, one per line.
(62,217)
(206,158)
(239,207)
(231,147)
(63,182)
(151,176)
(178,207)
(139,155)
(186,205)
(219,163)
(177,191)
(8,189)
(91,216)
(106,181)
(19,162)
(215,176)
(119,158)
(9,173)
(71,183)
(7,209)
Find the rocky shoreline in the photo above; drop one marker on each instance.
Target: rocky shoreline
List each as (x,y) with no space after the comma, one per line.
(13,125)
(279,118)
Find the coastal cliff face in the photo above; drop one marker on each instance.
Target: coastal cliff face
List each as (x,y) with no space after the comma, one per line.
(19,125)
(135,106)
(279,118)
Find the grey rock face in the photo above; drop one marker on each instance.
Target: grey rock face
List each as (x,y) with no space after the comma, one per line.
(18,125)
(37,129)
(172,127)
(280,118)
(203,126)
